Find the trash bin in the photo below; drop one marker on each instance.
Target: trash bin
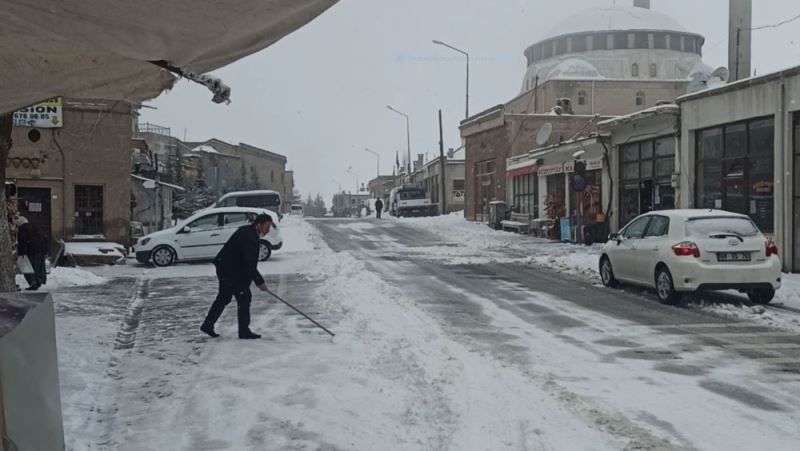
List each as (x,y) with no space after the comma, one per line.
(497,213)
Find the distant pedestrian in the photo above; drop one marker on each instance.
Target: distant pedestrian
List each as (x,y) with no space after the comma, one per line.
(378,208)
(33,244)
(237,268)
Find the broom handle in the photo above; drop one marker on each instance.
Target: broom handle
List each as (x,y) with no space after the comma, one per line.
(298,311)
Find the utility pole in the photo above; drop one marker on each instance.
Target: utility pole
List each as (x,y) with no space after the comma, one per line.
(158,210)
(443,168)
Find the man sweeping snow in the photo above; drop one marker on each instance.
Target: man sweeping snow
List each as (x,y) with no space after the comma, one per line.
(237,268)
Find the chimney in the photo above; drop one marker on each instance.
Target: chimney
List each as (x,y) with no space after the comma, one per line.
(740,39)
(641,4)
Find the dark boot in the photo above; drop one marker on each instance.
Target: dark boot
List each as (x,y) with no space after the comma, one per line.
(209,330)
(248,335)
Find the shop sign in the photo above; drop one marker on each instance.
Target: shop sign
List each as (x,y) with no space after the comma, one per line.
(552,169)
(48,114)
(569,167)
(594,164)
(458,196)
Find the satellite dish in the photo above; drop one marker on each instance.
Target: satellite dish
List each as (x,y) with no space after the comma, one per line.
(543,135)
(722,73)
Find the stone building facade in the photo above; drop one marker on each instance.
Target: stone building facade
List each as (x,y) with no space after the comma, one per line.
(75,179)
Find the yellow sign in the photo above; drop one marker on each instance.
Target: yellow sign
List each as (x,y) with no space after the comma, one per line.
(48,114)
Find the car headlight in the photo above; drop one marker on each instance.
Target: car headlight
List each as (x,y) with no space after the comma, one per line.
(144,241)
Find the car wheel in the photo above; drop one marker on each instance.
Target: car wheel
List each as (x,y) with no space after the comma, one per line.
(665,287)
(607,273)
(163,256)
(264,251)
(761,295)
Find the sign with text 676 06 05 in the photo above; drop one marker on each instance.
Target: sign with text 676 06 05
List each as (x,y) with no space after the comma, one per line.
(48,114)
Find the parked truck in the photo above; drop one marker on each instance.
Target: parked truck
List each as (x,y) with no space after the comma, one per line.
(410,200)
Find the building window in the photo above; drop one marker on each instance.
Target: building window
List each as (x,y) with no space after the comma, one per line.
(641,41)
(735,170)
(646,171)
(653,70)
(640,98)
(88,210)
(635,70)
(526,197)
(582,98)
(609,41)
(590,42)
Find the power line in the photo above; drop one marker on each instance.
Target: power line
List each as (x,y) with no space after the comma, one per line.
(779,24)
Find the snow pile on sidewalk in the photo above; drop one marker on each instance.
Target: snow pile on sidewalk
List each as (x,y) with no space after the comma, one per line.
(63,277)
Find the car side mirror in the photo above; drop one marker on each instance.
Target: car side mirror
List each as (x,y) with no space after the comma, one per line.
(186,229)
(616,237)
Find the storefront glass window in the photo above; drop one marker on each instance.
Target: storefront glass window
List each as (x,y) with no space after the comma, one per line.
(526,198)
(735,170)
(647,169)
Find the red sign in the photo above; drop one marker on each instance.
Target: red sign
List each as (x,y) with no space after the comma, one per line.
(532,169)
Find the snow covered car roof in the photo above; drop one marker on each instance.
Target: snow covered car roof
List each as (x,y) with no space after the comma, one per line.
(696,213)
(249,193)
(229,210)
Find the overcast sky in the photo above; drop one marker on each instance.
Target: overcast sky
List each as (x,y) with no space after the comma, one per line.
(319,96)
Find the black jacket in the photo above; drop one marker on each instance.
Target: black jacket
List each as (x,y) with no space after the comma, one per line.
(237,262)
(30,240)
(378,205)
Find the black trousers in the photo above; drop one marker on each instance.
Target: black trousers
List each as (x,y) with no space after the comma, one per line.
(227,290)
(39,276)
(378,213)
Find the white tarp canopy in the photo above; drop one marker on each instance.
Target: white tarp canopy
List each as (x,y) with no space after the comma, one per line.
(101,48)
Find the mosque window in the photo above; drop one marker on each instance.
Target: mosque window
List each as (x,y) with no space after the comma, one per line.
(653,70)
(582,98)
(635,70)
(640,98)
(590,42)
(610,41)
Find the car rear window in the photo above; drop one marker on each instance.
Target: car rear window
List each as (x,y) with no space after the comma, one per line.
(262,200)
(705,227)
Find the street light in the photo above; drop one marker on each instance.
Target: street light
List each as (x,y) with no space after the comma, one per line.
(408,136)
(376,156)
(463,53)
(350,171)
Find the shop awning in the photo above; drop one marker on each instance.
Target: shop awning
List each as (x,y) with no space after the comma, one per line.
(524,167)
(104,48)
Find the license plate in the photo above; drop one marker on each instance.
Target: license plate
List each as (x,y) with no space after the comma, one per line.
(733,257)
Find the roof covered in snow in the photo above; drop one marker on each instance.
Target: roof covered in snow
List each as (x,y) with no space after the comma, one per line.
(205,148)
(614,19)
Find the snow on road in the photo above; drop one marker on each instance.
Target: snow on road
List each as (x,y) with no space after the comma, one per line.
(582,261)
(395,377)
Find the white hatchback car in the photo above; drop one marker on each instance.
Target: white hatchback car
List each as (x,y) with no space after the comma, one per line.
(201,237)
(676,251)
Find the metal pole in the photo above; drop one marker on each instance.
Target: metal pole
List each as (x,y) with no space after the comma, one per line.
(467,54)
(298,311)
(408,141)
(442,171)
(158,213)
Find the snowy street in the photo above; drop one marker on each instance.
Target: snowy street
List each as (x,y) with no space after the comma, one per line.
(448,336)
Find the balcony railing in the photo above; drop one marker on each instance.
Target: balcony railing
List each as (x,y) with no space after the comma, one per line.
(155,129)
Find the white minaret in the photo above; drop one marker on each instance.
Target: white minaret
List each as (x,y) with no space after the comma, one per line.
(740,39)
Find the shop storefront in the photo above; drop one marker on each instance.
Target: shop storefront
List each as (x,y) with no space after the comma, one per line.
(735,170)
(646,169)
